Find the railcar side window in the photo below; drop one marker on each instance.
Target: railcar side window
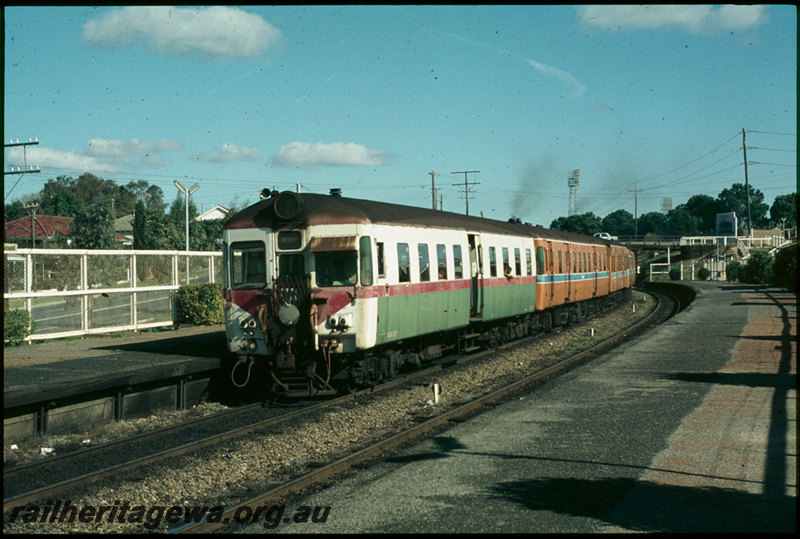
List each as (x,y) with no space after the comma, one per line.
(540,260)
(560,263)
(366,260)
(441,261)
(424,264)
(403,263)
(248,265)
(492,262)
(528,261)
(381,262)
(517,262)
(336,268)
(459,269)
(506,265)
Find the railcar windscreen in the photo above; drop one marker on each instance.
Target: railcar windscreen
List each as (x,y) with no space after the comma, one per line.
(248,265)
(336,268)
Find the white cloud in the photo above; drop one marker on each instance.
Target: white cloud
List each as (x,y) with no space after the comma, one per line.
(693,18)
(58,159)
(101,155)
(215,32)
(230,153)
(308,155)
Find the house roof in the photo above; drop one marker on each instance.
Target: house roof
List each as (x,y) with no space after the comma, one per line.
(124,223)
(46,226)
(217,212)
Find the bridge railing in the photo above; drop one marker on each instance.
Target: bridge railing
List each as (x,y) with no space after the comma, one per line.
(650,239)
(71,292)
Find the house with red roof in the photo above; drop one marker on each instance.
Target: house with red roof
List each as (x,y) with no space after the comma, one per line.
(49,232)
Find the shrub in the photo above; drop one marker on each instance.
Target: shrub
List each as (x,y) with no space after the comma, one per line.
(758,269)
(675,274)
(785,268)
(734,270)
(200,304)
(17,326)
(703,274)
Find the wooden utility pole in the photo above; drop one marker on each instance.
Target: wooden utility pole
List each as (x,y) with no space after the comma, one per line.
(747,188)
(635,210)
(433,187)
(467,183)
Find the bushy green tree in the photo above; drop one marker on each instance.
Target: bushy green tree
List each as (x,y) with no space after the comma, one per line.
(705,209)
(93,227)
(653,223)
(784,210)
(735,199)
(619,223)
(586,223)
(680,222)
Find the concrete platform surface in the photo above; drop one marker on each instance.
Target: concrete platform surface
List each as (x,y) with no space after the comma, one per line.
(62,368)
(688,428)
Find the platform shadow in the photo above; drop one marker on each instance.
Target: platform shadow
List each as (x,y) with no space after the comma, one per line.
(746,379)
(653,507)
(202,345)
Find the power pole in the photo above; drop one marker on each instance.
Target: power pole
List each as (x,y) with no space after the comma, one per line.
(467,183)
(32,210)
(747,188)
(433,187)
(635,209)
(25,169)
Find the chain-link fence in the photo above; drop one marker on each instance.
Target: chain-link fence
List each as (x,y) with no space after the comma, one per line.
(76,292)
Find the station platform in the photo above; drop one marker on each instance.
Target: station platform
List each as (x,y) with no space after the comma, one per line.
(690,427)
(51,374)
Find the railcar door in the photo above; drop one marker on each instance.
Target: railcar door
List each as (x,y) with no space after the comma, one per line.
(549,265)
(568,271)
(594,269)
(476,293)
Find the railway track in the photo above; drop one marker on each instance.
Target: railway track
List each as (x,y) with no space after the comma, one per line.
(344,465)
(52,491)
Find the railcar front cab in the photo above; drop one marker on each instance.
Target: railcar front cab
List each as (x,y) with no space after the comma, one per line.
(290,293)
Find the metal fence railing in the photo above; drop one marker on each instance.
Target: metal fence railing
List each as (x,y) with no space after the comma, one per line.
(70,292)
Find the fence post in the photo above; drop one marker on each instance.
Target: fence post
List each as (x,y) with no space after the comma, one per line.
(85,288)
(134,284)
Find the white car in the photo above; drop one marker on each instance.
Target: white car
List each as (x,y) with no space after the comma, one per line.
(606,236)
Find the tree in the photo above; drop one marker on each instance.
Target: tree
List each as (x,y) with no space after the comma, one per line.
(705,208)
(735,199)
(14,211)
(681,222)
(586,223)
(619,223)
(784,210)
(653,223)
(93,227)
(151,195)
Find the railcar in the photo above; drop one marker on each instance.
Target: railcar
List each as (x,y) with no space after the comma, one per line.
(324,292)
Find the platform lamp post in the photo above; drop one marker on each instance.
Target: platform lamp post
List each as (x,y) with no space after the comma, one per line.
(187,192)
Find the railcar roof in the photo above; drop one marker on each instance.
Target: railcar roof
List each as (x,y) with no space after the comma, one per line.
(330,209)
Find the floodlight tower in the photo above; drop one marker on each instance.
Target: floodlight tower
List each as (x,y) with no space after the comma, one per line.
(573,182)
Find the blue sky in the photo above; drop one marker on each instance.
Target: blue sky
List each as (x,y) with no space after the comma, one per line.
(371,99)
